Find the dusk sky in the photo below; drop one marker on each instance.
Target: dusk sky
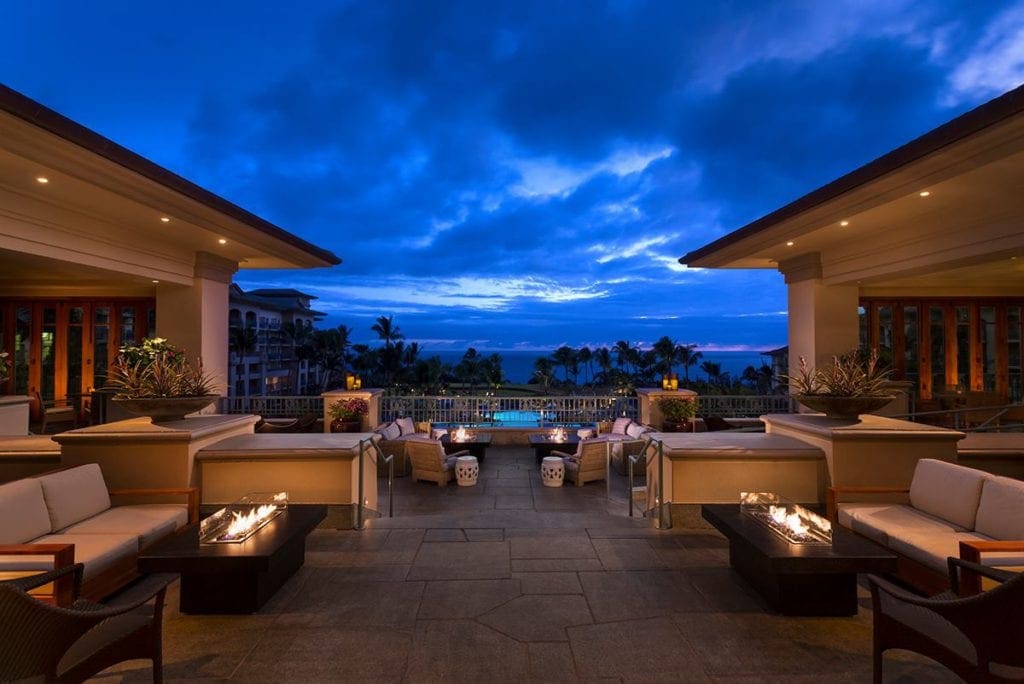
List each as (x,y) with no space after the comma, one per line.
(517,174)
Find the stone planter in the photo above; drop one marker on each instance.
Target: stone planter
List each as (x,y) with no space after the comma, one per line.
(677,426)
(843,408)
(339,425)
(165,409)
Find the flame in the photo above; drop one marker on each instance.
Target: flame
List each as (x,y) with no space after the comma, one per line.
(558,435)
(792,521)
(460,434)
(242,523)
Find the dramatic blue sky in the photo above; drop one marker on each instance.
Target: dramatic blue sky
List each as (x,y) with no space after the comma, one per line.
(517,174)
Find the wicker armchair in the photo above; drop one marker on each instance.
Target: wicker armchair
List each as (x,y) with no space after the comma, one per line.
(429,462)
(589,463)
(980,638)
(41,641)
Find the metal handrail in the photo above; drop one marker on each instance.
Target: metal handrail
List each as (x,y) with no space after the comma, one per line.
(998,412)
(633,460)
(660,496)
(390,461)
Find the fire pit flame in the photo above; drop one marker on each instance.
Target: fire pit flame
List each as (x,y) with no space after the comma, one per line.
(792,522)
(240,520)
(558,435)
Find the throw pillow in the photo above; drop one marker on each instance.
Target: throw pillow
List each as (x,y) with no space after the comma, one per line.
(585,433)
(619,428)
(406,426)
(391,431)
(636,430)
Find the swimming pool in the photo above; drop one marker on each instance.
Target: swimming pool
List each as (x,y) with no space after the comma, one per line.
(518,419)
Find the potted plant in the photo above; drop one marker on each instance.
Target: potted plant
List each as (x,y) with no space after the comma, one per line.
(677,414)
(347,414)
(849,386)
(156,379)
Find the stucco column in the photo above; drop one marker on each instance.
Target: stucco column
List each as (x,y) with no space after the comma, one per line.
(823,318)
(196,318)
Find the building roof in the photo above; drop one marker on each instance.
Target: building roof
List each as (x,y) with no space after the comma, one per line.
(280,292)
(27,109)
(1008,105)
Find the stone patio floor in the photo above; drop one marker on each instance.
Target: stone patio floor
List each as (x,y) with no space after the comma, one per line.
(513,581)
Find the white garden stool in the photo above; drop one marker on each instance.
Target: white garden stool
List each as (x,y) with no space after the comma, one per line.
(552,471)
(466,470)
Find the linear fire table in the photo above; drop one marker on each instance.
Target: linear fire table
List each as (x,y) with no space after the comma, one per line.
(797,579)
(235,578)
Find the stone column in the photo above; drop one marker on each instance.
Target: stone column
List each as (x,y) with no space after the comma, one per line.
(823,320)
(196,318)
(372,397)
(650,414)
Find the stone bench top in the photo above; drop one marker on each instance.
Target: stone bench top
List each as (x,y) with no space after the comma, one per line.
(285,446)
(736,445)
(25,446)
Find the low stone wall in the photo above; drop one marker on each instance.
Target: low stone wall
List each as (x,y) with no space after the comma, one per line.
(26,455)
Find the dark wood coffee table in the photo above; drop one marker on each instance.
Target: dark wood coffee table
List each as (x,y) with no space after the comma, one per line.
(476,446)
(235,578)
(798,579)
(543,445)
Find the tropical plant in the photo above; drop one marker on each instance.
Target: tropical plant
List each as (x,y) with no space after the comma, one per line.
(849,375)
(156,368)
(688,355)
(5,366)
(349,410)
(677,409)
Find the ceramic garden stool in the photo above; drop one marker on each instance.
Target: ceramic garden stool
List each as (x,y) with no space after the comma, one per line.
(552,471)
(466,470)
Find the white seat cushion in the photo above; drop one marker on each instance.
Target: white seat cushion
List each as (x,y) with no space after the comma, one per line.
(23,513)
(636,430)
(947,491)
(620,425)
(97,551)
(1001,510)
(150,522)
(74,494)
(879,522)
(933,548)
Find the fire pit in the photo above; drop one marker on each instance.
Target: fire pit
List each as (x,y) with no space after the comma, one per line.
(792,522)
(241,519)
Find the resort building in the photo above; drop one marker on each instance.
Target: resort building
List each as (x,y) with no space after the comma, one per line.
(266,330)
(918,254)
(100,247)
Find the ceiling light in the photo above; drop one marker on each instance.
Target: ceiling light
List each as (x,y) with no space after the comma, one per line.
(924,193)
(1013,258)
(155,282)
(789,244)
(42,179)
(222,241)
(844,223)
(165,219)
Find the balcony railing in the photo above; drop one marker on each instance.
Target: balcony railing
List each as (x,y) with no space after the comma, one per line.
(511,411)
(272,407)
(743,406)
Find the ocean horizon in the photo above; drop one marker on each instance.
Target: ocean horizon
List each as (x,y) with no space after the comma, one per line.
(518,364)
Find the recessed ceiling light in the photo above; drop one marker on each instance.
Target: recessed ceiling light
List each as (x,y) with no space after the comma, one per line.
(924,193)
(165,219)
(42,179)
(222,241)
(789,244)
(1013,258)
(155,282)
(844,223)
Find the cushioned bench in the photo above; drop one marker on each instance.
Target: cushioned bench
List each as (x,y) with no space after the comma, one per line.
(66,517)
(949,510)
(627,439)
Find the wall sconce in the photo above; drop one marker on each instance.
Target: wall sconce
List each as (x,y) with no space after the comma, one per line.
(350,381)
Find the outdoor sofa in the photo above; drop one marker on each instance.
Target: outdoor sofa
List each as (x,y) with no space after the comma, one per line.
(64,517)
(393,438)
(949,511)
(627,438)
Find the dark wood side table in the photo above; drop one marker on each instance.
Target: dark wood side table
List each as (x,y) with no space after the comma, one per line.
(235,578)
(476,446)
(543,445)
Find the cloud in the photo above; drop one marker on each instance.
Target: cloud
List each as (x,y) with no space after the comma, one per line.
(543,178)
(996,63)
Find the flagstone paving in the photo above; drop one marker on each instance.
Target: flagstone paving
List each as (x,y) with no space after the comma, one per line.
(512,581)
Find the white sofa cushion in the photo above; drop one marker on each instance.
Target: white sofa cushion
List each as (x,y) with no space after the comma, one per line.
(933,548)
(879,522)
(74,494)
(406,426)
(391,431)
(23,512)
(620,425)
(636,430)
(1001,510)
(97,551)
(948,491)
(149,521)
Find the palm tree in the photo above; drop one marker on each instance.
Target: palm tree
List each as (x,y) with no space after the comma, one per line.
(470,369)
(665,349)
(566,358)
(714,371)
(543,370)
(387,331)
(622,353)
(492,371)
(585,356)
(241,341)
(604,362)
(688,355)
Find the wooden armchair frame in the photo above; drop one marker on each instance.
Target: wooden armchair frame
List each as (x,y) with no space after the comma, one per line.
(428,459)
(592,457)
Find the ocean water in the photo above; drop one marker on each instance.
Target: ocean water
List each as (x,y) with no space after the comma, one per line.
(518,365)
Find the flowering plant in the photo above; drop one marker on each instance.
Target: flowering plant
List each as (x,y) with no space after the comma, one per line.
(5,366)
(349,410)
(156,368)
